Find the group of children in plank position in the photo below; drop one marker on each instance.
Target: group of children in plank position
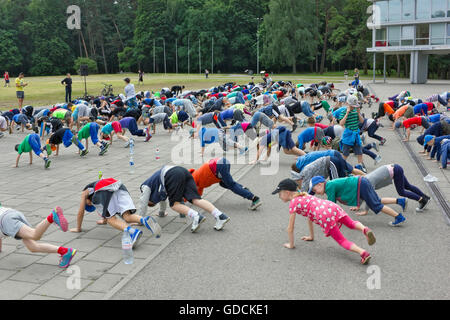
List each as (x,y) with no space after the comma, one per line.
(267,104)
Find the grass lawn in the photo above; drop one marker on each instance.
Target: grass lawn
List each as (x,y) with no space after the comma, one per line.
(45,91)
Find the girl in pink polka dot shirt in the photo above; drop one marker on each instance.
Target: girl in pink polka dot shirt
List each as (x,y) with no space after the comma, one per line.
(328,215)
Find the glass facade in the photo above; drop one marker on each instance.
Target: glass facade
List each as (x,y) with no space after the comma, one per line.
(406,29)
(438,33)
(438,8)
(422,34)
(423,9)
(408,9)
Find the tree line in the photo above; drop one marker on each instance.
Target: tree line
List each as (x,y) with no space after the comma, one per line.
(193,35)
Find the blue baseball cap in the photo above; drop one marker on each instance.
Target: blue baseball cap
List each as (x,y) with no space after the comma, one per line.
(427,139)
(313,182)
(398,124)
(89,208)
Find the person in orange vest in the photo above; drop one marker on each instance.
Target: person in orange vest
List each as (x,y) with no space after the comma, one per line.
(218,171)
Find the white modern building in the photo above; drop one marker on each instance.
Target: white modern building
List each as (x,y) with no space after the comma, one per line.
(414,27)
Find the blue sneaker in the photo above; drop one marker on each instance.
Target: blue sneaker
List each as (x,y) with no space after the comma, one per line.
(67,258)
(244,151)
(319,119)
(398,220)
(403,202)
(136,235)
(151,224)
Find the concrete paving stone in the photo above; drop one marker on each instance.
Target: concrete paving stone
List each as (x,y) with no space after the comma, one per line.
(39,297)
(14,290)
(17,261)
(37,273)
(105,283)
(91,270)
(110,255)
(173,227)
(5,274)
(102,233)
(124,269)
(85,245)
(90,296)
(143,251)
(58,236)
(59,287)
(8,248)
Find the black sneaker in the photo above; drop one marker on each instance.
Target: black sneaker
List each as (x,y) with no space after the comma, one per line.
(423,203)
(255,204)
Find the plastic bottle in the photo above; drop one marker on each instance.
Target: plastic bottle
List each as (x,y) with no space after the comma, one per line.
(131,164)
(127,248)
(157,155)
(131,156)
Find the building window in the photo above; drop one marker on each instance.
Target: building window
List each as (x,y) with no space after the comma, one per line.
(438,33)
(448,33)
(407,35)
(448,8)
(423,9)
(422,34)
(395,10)
(394,36)
(380,37)
(408,9)
(383,7)
(438,8)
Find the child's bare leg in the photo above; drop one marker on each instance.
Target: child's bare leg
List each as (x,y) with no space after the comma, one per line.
(117,223)
(131,218)
(355,248)
(34,246)
(28,233)
(388,200)
(204,204)
(390,212)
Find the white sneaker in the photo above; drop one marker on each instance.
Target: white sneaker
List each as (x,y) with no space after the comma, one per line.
(377,160)
(199,219)
(221,221)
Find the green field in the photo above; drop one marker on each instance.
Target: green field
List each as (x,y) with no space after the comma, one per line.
(45,91)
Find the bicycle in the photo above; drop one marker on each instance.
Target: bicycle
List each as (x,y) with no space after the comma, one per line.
(107,91)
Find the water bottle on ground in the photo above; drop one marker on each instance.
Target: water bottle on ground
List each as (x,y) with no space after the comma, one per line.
(131,156)
(157,155)
(131,164)
(127,248)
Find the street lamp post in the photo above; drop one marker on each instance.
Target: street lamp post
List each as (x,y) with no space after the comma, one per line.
(257,45)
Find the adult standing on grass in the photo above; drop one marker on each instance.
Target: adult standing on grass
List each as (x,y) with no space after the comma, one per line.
(20,84)
(68,83)
(206,73)
(6,76)
(356,75)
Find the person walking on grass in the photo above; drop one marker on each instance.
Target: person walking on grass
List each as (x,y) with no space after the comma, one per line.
(6,76)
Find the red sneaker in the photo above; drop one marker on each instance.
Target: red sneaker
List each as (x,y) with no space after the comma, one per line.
(365,257)
(369,236)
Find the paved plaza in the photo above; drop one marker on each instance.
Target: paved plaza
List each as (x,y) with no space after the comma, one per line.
(244,261)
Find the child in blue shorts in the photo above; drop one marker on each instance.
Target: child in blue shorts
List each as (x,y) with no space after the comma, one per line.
(31,143)
(66,137)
